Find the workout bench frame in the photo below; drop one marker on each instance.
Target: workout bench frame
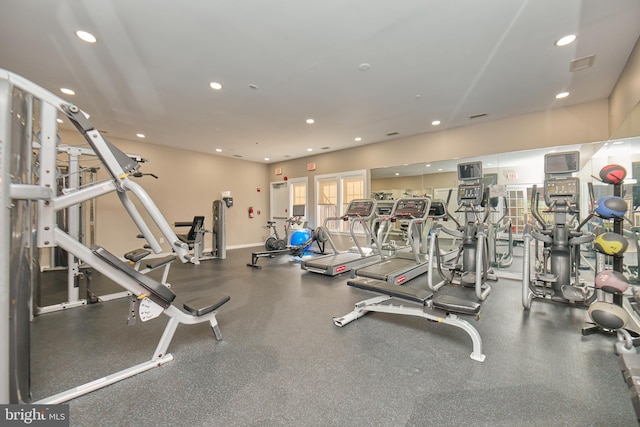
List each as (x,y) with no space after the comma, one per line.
(427,311)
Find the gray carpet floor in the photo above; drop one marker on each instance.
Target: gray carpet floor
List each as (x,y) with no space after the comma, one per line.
(282,361)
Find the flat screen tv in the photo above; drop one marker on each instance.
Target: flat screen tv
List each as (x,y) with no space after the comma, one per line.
(469,171)
(562,163)
(298,210)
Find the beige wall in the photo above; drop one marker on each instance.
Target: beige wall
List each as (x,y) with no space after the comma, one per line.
(188,184)
(562,126)
(624,102)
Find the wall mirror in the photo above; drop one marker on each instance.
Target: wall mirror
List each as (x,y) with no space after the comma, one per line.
(515,174)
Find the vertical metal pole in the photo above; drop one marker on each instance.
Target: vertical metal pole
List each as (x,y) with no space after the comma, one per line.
(48,152)
(73,229)
(5,233)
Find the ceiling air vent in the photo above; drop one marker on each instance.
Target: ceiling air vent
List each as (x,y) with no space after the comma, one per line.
(478,116)
(392,133)
(325,148)
(237,155)
(582,63)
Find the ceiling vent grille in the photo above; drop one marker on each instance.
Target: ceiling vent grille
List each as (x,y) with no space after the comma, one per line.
(478,116)
(582,63)
(392,133)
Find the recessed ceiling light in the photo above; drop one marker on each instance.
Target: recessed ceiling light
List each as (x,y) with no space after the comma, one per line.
(310,121)
(358,139)
(219,150)
(140,135)
(562,95)
(59,121)
(86,37)
(215,85)
(440,170)
(566,40)
(364,66)
(428,165)
(67,91)
(309,149)
(397,173)
(266,158)
(435,122)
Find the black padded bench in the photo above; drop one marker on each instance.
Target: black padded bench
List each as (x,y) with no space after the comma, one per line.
(206,304)
(440,315)
(138,254)
(158,293)
(402,292)
(453,304)
(446,303)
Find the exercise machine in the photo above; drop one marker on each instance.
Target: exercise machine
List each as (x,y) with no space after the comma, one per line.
(359,211)
(401,266)
(557,273)
(26,109)
(275,246)
(496,230)
(470,267)
(194,238)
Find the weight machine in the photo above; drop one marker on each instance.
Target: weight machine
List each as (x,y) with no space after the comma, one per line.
(28,221)
(195,237)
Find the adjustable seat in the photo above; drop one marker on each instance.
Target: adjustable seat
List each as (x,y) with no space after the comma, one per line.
(191,238)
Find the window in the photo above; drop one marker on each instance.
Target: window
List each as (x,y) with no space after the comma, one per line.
(333,194)
(299,190)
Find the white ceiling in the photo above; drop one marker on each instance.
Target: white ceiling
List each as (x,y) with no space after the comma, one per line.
(429,59)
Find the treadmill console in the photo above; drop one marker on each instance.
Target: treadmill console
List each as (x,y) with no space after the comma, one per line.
(416,208)
(561,190)
(361,208)
(470,194)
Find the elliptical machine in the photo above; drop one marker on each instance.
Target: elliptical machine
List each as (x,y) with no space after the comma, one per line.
(556,275)
(474,269)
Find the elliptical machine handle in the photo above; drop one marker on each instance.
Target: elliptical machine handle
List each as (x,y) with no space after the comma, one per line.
(446,209)
(487,207)
(535,199)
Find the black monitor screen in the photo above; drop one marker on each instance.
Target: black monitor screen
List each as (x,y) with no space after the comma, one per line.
(298,210)
(567,162)
(469,171)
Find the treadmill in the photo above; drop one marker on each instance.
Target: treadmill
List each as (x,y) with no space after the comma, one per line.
(404,265)
(359,211)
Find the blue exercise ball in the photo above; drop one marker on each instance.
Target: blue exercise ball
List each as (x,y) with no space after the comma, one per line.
(300,237)
(610,207)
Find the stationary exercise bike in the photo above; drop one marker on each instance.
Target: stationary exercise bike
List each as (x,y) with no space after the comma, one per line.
(301,239)
(274,242)
(556,276)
